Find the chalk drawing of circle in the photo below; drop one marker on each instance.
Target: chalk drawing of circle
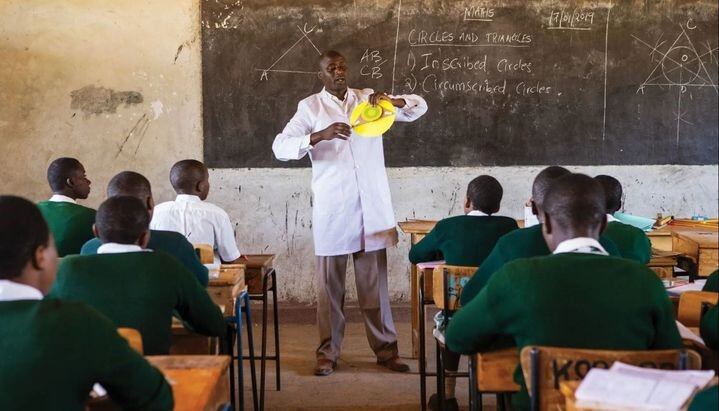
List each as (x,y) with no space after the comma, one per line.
(681,65)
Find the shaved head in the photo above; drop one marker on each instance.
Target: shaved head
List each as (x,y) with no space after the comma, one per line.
(122,220)
(66,176)
(190,177)
(129,183)
(328,55)
(543,181)
(485,193)
(575,203)
(612,191)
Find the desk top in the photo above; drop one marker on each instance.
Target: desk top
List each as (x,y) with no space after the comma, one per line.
(230,274)
(706,238)
(259,260)
(193,378)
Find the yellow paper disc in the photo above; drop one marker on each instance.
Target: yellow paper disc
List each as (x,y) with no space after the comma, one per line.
(372,121)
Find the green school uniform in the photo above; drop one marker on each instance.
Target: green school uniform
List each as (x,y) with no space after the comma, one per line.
(523,243)
(709,328)
(140,290)
(567,300)
(706,400)
(170,242)
(462,240)
(70,224)
(52,352)
(712,283)
(632,242)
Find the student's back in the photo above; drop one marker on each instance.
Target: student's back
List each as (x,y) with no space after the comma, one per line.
(462,240)
(522,243)
(70,224)
(139,290)
(169,242)
(568,300)
(631,242)
(52,352)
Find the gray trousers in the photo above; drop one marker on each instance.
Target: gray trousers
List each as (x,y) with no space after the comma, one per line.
(373,295)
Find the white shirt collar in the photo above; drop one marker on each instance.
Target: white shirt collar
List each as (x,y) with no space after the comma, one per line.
(610,218)
(115,248)
(12,291)
(335,98)
(580,245)
(477,213)
(59,198)
(187,198)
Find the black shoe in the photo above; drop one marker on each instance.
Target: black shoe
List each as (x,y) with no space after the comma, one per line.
(450,404)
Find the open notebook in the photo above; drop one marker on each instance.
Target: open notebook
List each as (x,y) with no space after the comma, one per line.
(626,387)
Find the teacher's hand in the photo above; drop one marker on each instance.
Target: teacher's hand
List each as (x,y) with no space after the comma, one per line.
(375,98)
(335,130)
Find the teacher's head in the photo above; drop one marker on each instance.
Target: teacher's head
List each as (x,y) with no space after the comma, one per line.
(333,72)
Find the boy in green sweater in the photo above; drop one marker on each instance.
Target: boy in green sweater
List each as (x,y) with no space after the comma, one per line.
(523,243)
(464,240)
(712,283)
(577,297)
(129,183)
(134,287)
(58,347)
(632,242)
(70,223)
(467,239)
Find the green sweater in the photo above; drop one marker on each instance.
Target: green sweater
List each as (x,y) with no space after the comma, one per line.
(706,400)
(632,242)
(567,300)
(712,283)
(70,224)
(524,243)
(140,290)
(170,242)
(709,328)
(462,240)
(52,352)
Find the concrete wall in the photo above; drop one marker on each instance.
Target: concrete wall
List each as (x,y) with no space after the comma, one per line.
(71,77)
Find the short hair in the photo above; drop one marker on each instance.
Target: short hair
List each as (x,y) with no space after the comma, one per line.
(129,183)
(330,54)
(185,174)
(612,192)
(575,201)
(122,220)
(60,170)
(22,231)
(485,193)
(544,180)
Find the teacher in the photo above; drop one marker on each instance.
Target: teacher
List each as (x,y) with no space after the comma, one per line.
(352,214)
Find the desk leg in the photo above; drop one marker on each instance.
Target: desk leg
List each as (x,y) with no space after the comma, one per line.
(415,310)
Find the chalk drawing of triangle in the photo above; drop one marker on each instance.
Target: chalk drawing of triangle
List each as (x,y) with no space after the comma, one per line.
(300,57)
(681,65)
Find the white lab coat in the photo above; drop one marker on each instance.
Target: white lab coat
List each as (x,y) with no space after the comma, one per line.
(352,202)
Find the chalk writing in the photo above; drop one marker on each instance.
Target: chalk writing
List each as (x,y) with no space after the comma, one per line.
(474,13)
(373,62)
(575,19)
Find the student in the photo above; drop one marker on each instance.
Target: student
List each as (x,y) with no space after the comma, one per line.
(712,283)
(136,288)
(465,240)
(523,243)
(52,351)
(199,221)
(632,242)
(577,297)
(129,183)
(70,223)
(708,398)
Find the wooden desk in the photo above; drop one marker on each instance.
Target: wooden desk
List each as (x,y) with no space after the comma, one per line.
(701,245)
(199,382)
(231,277)
(417,229)
(258,265)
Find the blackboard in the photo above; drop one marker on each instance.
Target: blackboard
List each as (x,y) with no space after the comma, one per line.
(507,82)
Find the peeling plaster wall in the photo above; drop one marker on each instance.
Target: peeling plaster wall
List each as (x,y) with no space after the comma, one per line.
(134,68)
